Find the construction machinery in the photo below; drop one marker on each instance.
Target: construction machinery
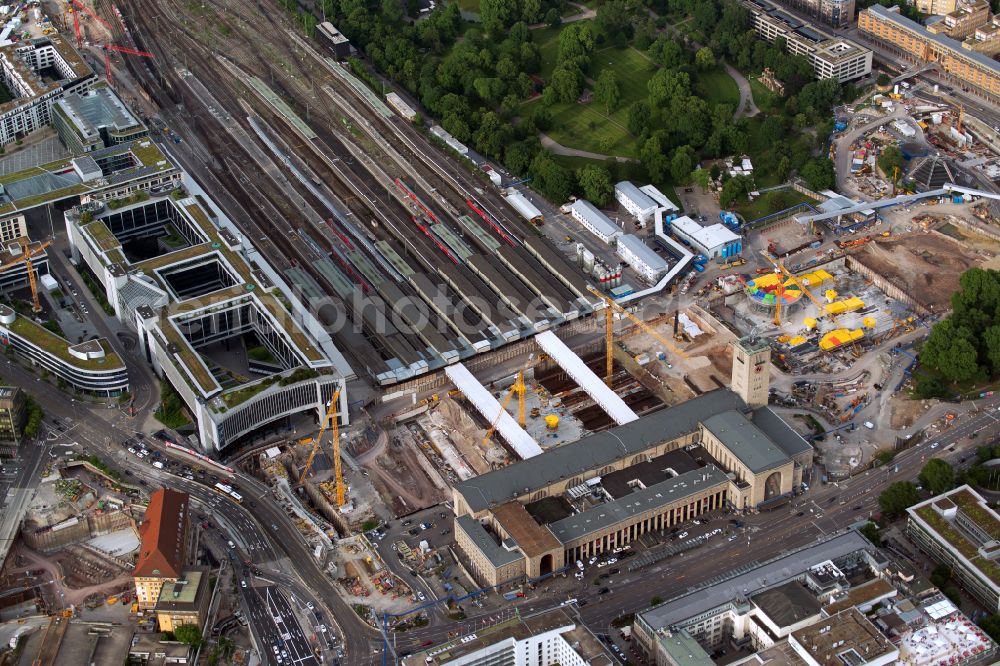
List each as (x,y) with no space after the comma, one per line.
(895,179)
(805,290)
(26,254)
(329,421)
(520,389)
(609,331)
(738,261)
(120,49)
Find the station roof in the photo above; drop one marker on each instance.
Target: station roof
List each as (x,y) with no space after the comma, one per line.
(487,545)
(647,499)
(593,452)
(746,441)
(787,566)
(782,434)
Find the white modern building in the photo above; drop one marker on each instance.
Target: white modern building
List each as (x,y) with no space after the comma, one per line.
(660,198)
(38,72)
(90,367)
(715,240)
(638,204)
(642,258)
(194,290)
(594,221)
(551,637)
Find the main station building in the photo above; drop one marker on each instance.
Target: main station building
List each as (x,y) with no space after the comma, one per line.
(721,450)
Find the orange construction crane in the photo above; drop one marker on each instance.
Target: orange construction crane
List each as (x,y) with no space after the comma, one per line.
(895,179)
(520,389)
(777,301)
(120,49)
(610,308)
(26,254)
(329,421)
(805,290)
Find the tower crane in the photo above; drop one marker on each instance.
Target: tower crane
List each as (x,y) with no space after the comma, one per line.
(120,49)
(805,290)
(609,331)
(520,389)
(777,301)
(26,254)
(329,421)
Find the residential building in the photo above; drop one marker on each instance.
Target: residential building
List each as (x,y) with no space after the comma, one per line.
(966,63)
(38,72)
(542,639)
(594,221)
(604,491)
(90,366)
(935,7)
(12,416)
(958,528)
(201,283)
(185,600)
(835,13)
(963,21)
(642,258)
(95,119)
(830,57)
(715,240)
(165,547)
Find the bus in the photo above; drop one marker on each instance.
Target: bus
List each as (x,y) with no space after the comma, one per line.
(229,492)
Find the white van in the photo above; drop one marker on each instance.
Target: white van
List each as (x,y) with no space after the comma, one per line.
(232,545)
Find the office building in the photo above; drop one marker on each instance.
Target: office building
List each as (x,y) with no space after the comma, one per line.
(188,283)
(38,72)
(543,639)
(95,119)
(830,57)
(13,228)
(967,63)
(959,529)
(184,600)
(165,545)
(12,417)
(639,205)
(90,366)
(594,221)
(835,13)
(642,258)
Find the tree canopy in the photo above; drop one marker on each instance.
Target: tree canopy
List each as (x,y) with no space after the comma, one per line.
(897,498)
(937,476)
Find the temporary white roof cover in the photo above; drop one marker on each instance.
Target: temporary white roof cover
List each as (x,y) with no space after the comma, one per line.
(595,387)
(523,444)
(521,204)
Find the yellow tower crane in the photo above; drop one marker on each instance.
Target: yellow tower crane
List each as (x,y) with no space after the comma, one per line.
(26,254)
(520,389)
(777,300)
(805,290)
(609,310)
(329,421)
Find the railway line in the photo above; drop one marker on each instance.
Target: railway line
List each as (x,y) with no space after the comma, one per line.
(425,261)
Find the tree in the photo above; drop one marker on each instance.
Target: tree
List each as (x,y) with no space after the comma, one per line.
(668,84)
(883,80)
(704,59)
(949,350)
(897,498)
(551,178)
(497,15)
(735,189)
(991,625)
(189,634)
(819,173)
(890,160)
(595,181)
(656,601)
(871,532)
(492,135)
(940,575)
(937,476)
(653,157)
(607,91)
(681,163)
(700,177)
(566,83)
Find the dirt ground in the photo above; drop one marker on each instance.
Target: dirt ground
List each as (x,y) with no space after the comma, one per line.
(929,264)
(905,411)
(401,481)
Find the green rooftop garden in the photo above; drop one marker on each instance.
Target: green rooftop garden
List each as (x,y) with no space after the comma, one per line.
(974,510)
(59,347)
(944,529)
(102,236)
(148,153)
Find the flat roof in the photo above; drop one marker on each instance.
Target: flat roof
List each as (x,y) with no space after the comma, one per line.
(684,650)
(847,637)
(861,594)
(943,40)
(59,346)
(647,499)
(532,538)
(643,252)
(788,603)
(183,593)
(788,565)
(595,451)
(618,483)
(494,552)
(746,441)
(97,108)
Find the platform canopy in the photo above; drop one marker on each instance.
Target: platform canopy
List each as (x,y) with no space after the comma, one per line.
(595,387)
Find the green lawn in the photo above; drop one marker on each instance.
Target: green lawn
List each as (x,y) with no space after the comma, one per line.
(772,202)
(762,97)
(717,87)
(585,126)
(548,46)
